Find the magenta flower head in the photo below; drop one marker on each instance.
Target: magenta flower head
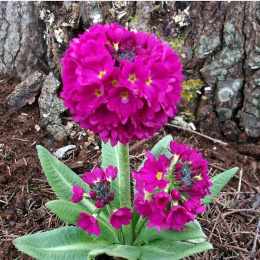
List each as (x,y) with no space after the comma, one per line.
(77,194)
(88,223)
(121,217)
(99,183)
(120,84)
(169,190)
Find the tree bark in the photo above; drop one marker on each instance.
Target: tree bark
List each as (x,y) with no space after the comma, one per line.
(22,46)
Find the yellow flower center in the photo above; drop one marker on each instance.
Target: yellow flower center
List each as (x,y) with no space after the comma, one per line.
(147,195)
(175,158)
(95,215)
(124,95)
(148,81)
(114,82)
(98,92)
(101,74)
(159,176)
(175,203)
(198,177)
(132,78)
(116,46)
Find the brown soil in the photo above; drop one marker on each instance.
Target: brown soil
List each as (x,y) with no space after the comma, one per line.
(230,222)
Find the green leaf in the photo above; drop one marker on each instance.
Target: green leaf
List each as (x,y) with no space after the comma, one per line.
(60,244)
(109,158)
(160,148)
(60,177)
(165,250)
(219,181)
(124,251)
(192,231)
(69,212)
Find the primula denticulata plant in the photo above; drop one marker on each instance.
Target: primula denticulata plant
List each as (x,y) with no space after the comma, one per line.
(123,86)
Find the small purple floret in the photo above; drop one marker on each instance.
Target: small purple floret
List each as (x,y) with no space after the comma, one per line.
(88,223)
(77,194)
(121,217)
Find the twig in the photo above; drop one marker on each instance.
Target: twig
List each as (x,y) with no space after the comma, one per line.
(23,140)
(239,183)
(211,234)
(240,210)
(243,180)
(9,171)
(233,247)
(197,133)
(9,199)
(229,231)
(217,167)
(252,253)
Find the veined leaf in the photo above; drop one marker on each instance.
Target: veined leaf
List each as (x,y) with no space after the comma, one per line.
(60,177)
(165,250)
(192,231)
(69,212)
(124,251)
(60,244)
(219,181)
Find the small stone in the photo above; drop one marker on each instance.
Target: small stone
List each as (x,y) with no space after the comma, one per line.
(65,152)
(96,148)
(25,92)
(70,125)
(12,223)
(73,133)
(37,127)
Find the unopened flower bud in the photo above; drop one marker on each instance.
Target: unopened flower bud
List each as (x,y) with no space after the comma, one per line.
(175,194)
(100,197)
(92,194)
(178,166)
(106,201)
(99,204)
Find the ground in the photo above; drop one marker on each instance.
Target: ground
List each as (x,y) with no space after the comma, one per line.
(230,222)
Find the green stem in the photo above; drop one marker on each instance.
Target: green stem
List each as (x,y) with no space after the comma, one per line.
(122,154)
(139,226)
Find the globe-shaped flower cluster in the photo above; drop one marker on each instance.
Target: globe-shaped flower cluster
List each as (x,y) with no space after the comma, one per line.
(169,190)
(120,84)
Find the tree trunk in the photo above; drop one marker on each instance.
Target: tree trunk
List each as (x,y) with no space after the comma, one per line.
(22,46)
(218,44)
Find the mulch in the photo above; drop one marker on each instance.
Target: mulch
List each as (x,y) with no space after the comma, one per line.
(230,222)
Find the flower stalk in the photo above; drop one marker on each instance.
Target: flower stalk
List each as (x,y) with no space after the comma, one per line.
(122,154)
